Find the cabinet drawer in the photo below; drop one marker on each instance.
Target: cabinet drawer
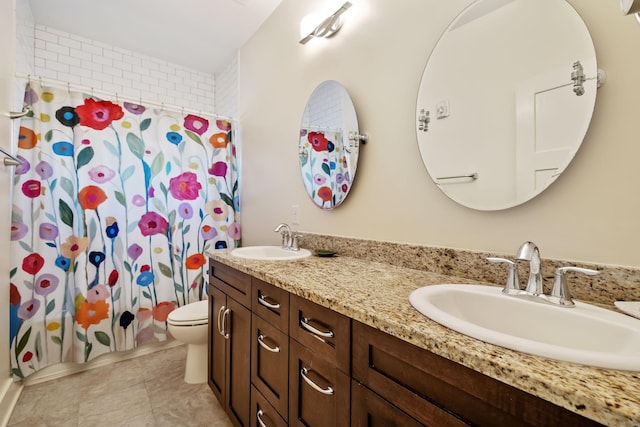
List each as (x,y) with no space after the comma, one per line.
(232,282)
(262,413)
(270,363)
(319,393)
(370,410)
(322,330)
(427,386)
(271,303)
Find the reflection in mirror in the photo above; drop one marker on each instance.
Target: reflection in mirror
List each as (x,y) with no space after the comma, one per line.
(505,100)
(329,144)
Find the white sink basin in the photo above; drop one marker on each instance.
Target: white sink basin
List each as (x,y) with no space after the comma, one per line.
(583,334)
(269,253)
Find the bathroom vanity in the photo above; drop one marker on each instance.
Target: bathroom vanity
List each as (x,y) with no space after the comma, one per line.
(354,352)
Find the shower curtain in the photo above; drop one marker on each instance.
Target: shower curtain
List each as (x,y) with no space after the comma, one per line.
(114,207)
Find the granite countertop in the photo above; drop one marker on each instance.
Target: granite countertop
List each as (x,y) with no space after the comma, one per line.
(376,294)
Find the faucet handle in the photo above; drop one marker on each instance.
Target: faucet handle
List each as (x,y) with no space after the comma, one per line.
(512,286)
(294,241)
(560,293)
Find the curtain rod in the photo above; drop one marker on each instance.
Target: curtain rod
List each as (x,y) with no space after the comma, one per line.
(115,95)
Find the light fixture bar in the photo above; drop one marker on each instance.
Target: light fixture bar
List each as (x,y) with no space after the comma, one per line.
(329,26)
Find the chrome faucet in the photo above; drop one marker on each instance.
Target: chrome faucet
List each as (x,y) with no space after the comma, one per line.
(285,232)
(530,252)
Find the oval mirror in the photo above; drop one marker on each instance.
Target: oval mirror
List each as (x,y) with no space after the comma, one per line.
(328,145)
(505,100)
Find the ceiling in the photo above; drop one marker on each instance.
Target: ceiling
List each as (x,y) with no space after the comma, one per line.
(199,34)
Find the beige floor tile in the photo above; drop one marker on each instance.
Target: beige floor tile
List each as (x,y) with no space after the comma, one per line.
(144,391)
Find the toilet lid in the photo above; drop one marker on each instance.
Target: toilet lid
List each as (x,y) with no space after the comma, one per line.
(195,312)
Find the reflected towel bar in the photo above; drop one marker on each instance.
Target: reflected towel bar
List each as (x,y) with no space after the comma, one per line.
(473,176)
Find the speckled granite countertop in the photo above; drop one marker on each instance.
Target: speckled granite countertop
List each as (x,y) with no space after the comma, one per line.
(376,294)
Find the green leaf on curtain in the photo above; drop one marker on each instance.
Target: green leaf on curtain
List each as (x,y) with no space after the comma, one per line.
(164,189)
(25,246)
(50,307)
(172,217)
(157,164)
(38,347)
(23,341)
(112,148)
(67,186)
(193,136)
(146,294)
(134,301)
(179,287)
(127,266)
(66,214)
(165,270)
(28,284)
(160,207)
(128,173)
(187,228)
(103,338)
(87,351)
(326,169)
(56,340)
(116,294)
(136,145)
(81,337)
(17,372)
(53,184)
(48,135)
(13,272)
(226,199)
(132,226)
(144,125)
(84,157)
(120,198)
(93,229)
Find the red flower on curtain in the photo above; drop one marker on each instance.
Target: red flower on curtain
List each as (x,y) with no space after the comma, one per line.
(32,263)
(318,141)
(91,196)
(152,223)
(195,261)
(98,114)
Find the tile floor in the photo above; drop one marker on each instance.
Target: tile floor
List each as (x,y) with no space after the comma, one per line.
(144,391)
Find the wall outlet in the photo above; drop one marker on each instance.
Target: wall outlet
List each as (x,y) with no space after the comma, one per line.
(295,214)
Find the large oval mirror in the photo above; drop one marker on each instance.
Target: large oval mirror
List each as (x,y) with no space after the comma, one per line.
(329,144)
(505,100)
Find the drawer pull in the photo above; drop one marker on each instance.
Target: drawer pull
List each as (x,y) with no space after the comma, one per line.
(316,387)
(219,324)
(304,322)
(263,299)
(259,417)
(225,316)
(264,345)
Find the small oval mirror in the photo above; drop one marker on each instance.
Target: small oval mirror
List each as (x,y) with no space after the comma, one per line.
(505,100)
(327,148)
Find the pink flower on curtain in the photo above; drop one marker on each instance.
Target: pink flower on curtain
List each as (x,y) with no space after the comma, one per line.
(98,114)
(185,186)
(196,124)
(218,169)
(31,188)
(152,223)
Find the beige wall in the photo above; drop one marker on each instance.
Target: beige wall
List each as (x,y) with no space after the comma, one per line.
(590,214)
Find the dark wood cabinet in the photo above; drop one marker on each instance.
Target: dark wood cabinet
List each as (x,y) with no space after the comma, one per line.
(263,414)
(229,342)
(439,392)
(370,410)
(319,392)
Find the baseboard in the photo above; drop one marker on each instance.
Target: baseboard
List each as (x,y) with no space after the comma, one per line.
(9,394)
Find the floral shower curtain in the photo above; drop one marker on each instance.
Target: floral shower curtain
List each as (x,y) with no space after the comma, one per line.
(114,207)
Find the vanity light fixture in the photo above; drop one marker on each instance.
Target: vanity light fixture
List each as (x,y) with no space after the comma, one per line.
(628,7)
(321,24)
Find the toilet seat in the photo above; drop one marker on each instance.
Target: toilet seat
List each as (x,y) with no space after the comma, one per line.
(196,313)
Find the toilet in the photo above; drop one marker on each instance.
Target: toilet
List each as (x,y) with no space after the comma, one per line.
(189,324)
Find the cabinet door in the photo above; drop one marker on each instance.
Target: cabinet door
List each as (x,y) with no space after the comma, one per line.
(262,413)
(319,393)
(370,410)
(217,344)
(238,363)
(270,364)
